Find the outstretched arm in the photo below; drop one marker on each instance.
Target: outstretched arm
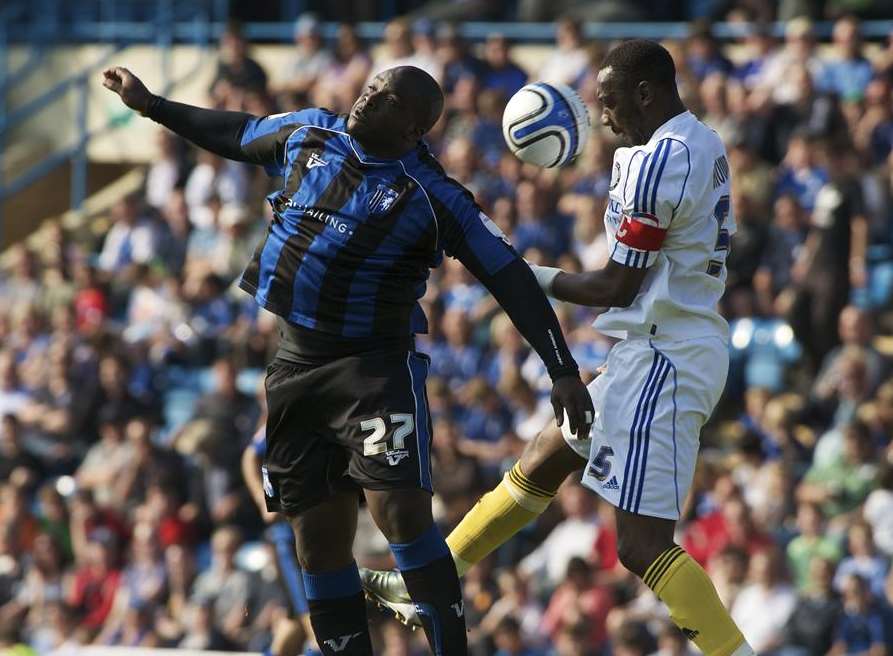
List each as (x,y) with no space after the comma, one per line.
(615,285)
(216,131)
(471,237)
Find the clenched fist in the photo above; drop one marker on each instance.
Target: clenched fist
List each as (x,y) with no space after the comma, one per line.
(127,85)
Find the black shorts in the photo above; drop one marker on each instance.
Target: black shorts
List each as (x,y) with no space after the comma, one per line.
(356,422)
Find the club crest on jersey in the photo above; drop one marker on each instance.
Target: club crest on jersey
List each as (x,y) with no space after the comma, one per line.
(382,200)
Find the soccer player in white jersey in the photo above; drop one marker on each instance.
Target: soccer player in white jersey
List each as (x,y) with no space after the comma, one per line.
(669,224)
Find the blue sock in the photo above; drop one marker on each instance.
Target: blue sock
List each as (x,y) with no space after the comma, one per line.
(338,612)
(430,576)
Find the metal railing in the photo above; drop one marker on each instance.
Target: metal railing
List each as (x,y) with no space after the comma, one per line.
(170,25)
(198,22)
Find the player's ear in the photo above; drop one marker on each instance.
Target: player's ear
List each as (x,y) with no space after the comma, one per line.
(414,132)
(644,93)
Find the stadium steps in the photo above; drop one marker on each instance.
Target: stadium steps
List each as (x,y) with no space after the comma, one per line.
(113,183)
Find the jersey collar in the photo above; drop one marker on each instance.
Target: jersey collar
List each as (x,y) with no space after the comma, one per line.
(670,126)
(366,158)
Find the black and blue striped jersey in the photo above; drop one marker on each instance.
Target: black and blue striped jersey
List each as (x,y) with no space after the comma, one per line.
(353,237)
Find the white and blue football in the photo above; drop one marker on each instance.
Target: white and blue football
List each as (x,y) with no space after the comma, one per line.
(546,124)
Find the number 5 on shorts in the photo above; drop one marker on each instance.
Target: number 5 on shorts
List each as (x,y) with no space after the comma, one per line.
(600,467)
(375,445)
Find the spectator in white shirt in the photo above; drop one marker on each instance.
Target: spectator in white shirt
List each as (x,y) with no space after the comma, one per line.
(13,395)
(574,536)
(309,62)
(776,80)
(400,43)
(165,171)
(214,176)
(132,238)
(763,607)
(569,59)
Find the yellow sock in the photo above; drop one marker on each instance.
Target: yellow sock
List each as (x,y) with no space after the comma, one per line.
(496,517)
(694,606)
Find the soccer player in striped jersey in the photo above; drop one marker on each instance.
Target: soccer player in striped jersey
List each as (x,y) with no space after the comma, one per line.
(364,212)
(290,633)
(669,224)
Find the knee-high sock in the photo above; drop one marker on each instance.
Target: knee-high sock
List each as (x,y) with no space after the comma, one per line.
(499,514)
(431,580)
(694,606)
(338,612)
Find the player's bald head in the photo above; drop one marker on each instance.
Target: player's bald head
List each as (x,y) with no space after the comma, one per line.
(396,109)
(421,92)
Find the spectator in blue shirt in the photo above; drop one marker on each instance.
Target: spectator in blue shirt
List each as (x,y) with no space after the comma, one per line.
(455,60)
(761,45)
(502,74)
(864,561)
(860,630)
(877,124)
(703,54)
(457,359)
(799,174)
(849,74)
(539,226)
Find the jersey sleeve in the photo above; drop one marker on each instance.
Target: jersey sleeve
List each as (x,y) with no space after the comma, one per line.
(660,178)
(467,233)
(470,236)
(264,139)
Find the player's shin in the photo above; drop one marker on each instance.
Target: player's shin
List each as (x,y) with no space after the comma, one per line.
(694,605)
(496,517)
(430,576)
(338,612)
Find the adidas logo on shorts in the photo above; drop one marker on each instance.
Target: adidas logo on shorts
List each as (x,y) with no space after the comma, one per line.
(612,484)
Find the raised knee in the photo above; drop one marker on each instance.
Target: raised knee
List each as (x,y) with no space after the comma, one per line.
(633,555)
(548,460)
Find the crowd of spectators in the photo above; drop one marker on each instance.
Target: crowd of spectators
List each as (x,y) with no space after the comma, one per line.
(131,368)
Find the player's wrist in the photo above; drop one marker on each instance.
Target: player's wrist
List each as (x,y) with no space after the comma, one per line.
(545,277)
(152,104)
(565,371)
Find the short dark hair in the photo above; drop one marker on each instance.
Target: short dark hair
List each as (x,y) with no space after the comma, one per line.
(640,59)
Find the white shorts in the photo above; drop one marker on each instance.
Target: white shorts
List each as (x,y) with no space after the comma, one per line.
(650,405)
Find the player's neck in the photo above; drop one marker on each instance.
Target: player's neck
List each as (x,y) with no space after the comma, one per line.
(673,109)
(383,151)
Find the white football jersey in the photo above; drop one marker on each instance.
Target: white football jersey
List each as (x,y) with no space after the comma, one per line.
(669,212)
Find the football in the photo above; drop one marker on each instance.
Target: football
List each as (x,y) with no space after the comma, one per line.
(546,124)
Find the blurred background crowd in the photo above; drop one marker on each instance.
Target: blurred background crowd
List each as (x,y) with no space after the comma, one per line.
(131,368)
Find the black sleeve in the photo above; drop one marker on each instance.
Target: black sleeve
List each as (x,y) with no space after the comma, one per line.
(469,235)
(516,290)
(217,131)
